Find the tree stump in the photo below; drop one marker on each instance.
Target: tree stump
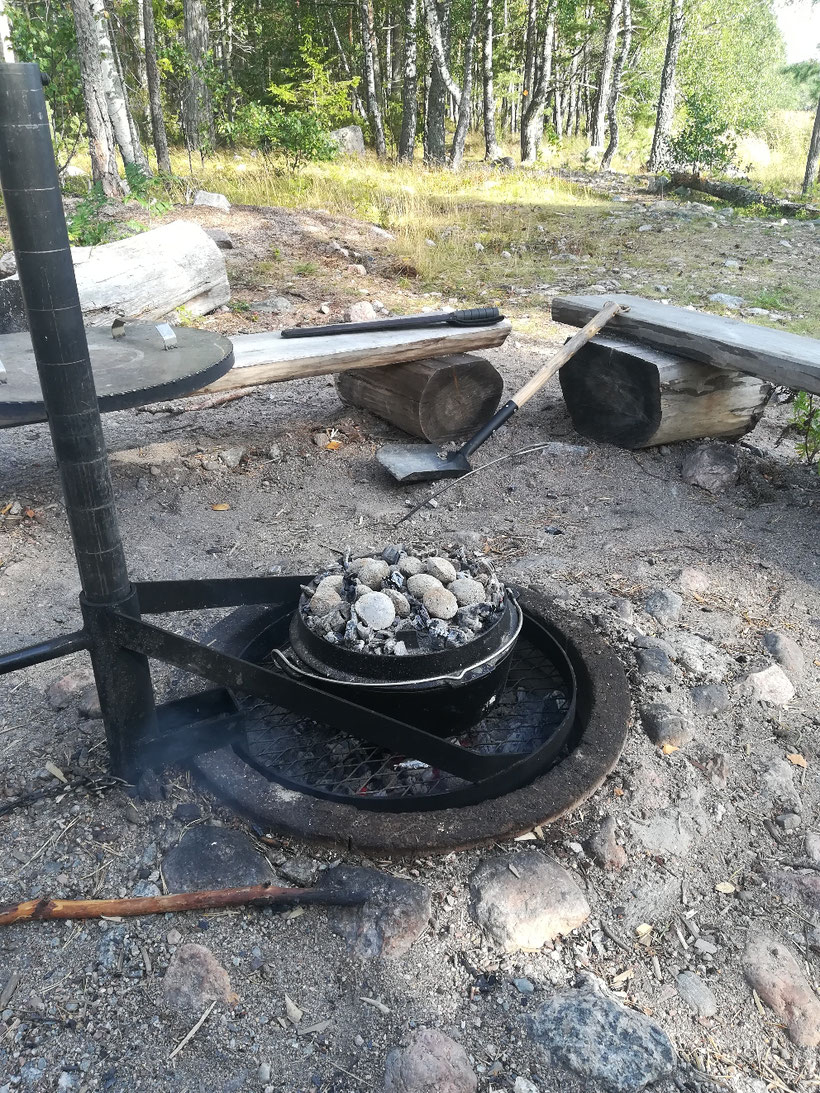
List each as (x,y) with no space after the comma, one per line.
(439,399)
(634,396)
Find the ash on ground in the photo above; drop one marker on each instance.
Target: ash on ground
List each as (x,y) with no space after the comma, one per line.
(403,604)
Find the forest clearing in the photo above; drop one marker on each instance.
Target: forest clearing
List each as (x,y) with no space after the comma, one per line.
(527,751)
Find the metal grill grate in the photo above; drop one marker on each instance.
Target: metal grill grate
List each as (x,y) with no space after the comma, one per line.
(320,760)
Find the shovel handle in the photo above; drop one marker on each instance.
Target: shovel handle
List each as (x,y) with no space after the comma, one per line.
(595,324)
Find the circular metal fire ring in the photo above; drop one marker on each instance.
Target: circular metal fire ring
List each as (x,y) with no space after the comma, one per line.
(603,705)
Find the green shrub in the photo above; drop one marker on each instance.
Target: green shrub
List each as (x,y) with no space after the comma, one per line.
(296,137)
(705,140)
(806,420)
(86,228)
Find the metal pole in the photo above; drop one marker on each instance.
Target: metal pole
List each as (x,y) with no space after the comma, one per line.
(28,176)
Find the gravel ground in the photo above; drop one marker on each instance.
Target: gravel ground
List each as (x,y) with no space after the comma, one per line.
(734,803)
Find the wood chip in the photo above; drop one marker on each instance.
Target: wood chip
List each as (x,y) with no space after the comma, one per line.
(513,870)
(797,760)
(292,1011)
(375,1003)
(656,969)
(55,772)
(622,977)
(223,506)
(12,983)
(643,929)
(725,887)
(527,837)
(308,1030)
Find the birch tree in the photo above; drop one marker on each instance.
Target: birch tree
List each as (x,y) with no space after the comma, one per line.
(617,82)
(116,104)
(6,50)
(100,133)
(666,101)
(374,109)
(491,148)
(599,106)
(160,137)
(532,115)
(466,104)
(814,155)
(409,94)
(197,107)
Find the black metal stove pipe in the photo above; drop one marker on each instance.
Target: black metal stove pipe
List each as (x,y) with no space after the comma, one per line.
(28,176)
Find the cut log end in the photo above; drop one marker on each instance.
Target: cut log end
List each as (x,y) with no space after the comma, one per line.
(633,396)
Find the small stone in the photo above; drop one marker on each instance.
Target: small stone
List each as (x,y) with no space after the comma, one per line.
(601,1040)
(8,264)
(785,651)
(394,914)
(263,1073)
(431,1063)
(376,610)
(173,937)
(220,237)
(664,726)
(373,571)
(399,601)
(527,908)
(62,692)
(663,833)
(696,994)
(604,850)
(467,591)
(700,658)
(145,889)
(772,970)
(524,1085)
(275,453)
(215,201)
(275,305)
(440,568)
(360,312)
(713,466)
(359,270)
(322,603)
(654,662)
(187,812)
(524,986)
(788,821)
(732,263)
(232,457)
(770,686)
(693,580)
(812,847)
(710,698)
(88,702)
(194,978)
(324,309)
(731,303)
(409,565)
(301,871)
(420,583)
(439,603)
(109,948)
(664,605)
(214,857)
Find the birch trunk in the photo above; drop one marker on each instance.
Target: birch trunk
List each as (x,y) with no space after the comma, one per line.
(121,93)
(492,150)
(617,81)
(112,85)
(814,154)
(6,50)
(374,109)
(435,148)
(100,133)
(154,90)
(666,101)
(465,107)
(197,108)
(532,120)
(437,48)
(409,95)
(358,107)
(602,93)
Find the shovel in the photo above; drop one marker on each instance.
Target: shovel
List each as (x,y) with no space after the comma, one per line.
(422,462)
(474,316)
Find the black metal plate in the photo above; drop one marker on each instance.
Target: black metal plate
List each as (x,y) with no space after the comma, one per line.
(129,371)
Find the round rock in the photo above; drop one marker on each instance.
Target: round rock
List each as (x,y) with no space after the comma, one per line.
(785,651)
(527,908)
(431,1063)
(214,857)
(440,603)
(410,565)
(194,978)
(324,600)
(664,726)
(467,591)
(394,914)
(420,583)
(399,601)
(376,610)
(774,972)
(373,571)
(713,466)
(696,994)
(664,605)
(440,568)
(604,850)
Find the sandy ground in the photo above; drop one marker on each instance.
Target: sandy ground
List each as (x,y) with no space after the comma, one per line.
(629,525)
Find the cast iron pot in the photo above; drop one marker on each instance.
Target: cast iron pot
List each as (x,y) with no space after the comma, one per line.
(443,692)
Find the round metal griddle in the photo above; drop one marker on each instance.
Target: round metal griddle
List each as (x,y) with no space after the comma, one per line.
(131,370)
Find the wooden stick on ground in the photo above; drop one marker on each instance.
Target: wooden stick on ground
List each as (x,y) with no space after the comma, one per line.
(260,895)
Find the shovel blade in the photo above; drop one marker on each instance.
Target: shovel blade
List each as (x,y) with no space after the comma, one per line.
(421,462)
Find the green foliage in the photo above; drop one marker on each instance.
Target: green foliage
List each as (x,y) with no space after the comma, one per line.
(804,79)
(806,420)
(86,228)
(296,137)
(147,190)
(705,140)
(312,88)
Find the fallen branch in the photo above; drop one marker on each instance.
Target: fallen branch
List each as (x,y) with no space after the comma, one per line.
(259,895)
(177,408)
(736,194)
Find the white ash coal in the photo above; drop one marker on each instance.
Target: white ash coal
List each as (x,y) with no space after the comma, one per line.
(403,604)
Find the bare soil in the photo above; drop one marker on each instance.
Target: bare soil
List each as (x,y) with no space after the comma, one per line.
(627,526)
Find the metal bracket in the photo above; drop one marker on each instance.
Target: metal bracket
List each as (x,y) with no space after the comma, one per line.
(118,329)
(168,335)
(3,376)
